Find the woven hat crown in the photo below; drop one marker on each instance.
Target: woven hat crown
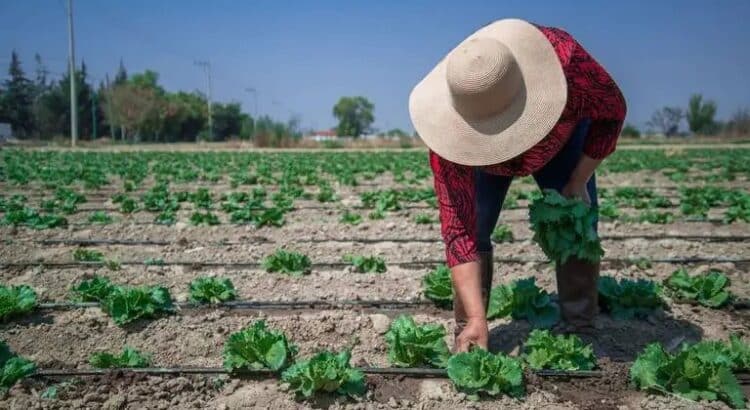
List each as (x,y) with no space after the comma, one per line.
(483,78)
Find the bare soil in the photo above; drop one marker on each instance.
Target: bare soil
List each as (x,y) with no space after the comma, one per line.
(65,339)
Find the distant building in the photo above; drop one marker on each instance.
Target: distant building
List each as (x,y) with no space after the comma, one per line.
(324,135)
(6,132)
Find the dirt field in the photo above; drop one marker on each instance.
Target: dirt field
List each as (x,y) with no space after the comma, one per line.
(65,339)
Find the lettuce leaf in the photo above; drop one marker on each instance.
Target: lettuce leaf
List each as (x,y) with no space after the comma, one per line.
(710,289)
(543,350)
(438,287)
(523,299)
(564,228)
(16,300)
(412,345)
(257,347)
(480,371)
(206,289)
(129,358)
(126,304)
(325,372)
(628,299)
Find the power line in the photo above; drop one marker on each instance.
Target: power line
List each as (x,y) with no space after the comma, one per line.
(72,66)
(207,67)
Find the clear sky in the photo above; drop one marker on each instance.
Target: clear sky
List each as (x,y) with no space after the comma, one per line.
(302,55)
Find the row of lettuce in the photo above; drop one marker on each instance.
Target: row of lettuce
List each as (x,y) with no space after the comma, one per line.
(701,371)
(99,169)
(260,209)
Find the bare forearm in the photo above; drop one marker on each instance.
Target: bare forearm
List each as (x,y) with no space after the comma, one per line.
(584,169)
(468,286)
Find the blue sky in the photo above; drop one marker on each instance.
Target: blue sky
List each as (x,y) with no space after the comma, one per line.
(302,56)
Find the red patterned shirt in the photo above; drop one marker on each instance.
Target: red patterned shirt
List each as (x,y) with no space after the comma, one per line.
(592,94)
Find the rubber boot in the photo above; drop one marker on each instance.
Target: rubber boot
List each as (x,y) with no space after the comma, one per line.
(485,272)
(577,290)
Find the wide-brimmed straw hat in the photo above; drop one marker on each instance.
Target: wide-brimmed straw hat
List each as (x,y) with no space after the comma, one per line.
(496,95)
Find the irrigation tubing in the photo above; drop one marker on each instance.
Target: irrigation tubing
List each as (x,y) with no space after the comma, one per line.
(394,371)
(266,305)
(742,304)
(260,239)
(602,220)
(409,264)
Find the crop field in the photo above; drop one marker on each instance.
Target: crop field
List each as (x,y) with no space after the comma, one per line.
(235,280)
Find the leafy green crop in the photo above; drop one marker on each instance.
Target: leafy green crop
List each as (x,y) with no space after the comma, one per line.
(326,194)
(31,218)
(126,304)
(653,217)
(207,218)
(212,290)
(288,262)
(523,299)
(564,228)
(424,219)
(480,371)
(87,255)
(438,287)
(257,347)
(501,234)
(154,261)
(16,300)
(543,350)
(100,217)
(412,345)
(708,289)
(628,299)
(350,218)
(95,289)
(128,205)
(699,372)
(367,264)
(201,198)
(325,372)
(12,367)
(129,358)
(166,218)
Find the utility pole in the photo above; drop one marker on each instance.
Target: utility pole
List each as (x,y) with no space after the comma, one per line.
(207,67)
(255,96)
(73,79)
(110,120)
(93,114)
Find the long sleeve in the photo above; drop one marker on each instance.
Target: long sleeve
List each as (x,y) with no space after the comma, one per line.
(454,188)
(602,102)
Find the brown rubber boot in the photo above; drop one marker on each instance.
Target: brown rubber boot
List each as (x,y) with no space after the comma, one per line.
(577,290)
(485,271)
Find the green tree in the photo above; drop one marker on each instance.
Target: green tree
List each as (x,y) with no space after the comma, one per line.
(630,131)
(227,120)
(667,120)
(700,115)
(355,115)
(16,104)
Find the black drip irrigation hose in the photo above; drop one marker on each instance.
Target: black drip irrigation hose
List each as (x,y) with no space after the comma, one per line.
(715,221)
(394,371)
(742,304)
(405,265)
(260,239)
(267,305)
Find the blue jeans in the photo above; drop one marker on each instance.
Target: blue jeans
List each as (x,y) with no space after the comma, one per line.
(491,189)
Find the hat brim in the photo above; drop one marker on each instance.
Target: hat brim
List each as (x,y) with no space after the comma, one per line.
(527,120)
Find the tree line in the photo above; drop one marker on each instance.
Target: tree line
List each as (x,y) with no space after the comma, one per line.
(700,116)
(130,108)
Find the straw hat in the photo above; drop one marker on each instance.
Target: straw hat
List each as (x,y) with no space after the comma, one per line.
(496,95)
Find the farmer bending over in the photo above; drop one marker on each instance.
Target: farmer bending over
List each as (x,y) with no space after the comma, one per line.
(513,99)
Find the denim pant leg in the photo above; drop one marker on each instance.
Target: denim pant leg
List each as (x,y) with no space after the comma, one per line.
(556,173)
(490,194)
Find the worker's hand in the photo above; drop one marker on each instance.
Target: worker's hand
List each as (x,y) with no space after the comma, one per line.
(577,190)
(475,333)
